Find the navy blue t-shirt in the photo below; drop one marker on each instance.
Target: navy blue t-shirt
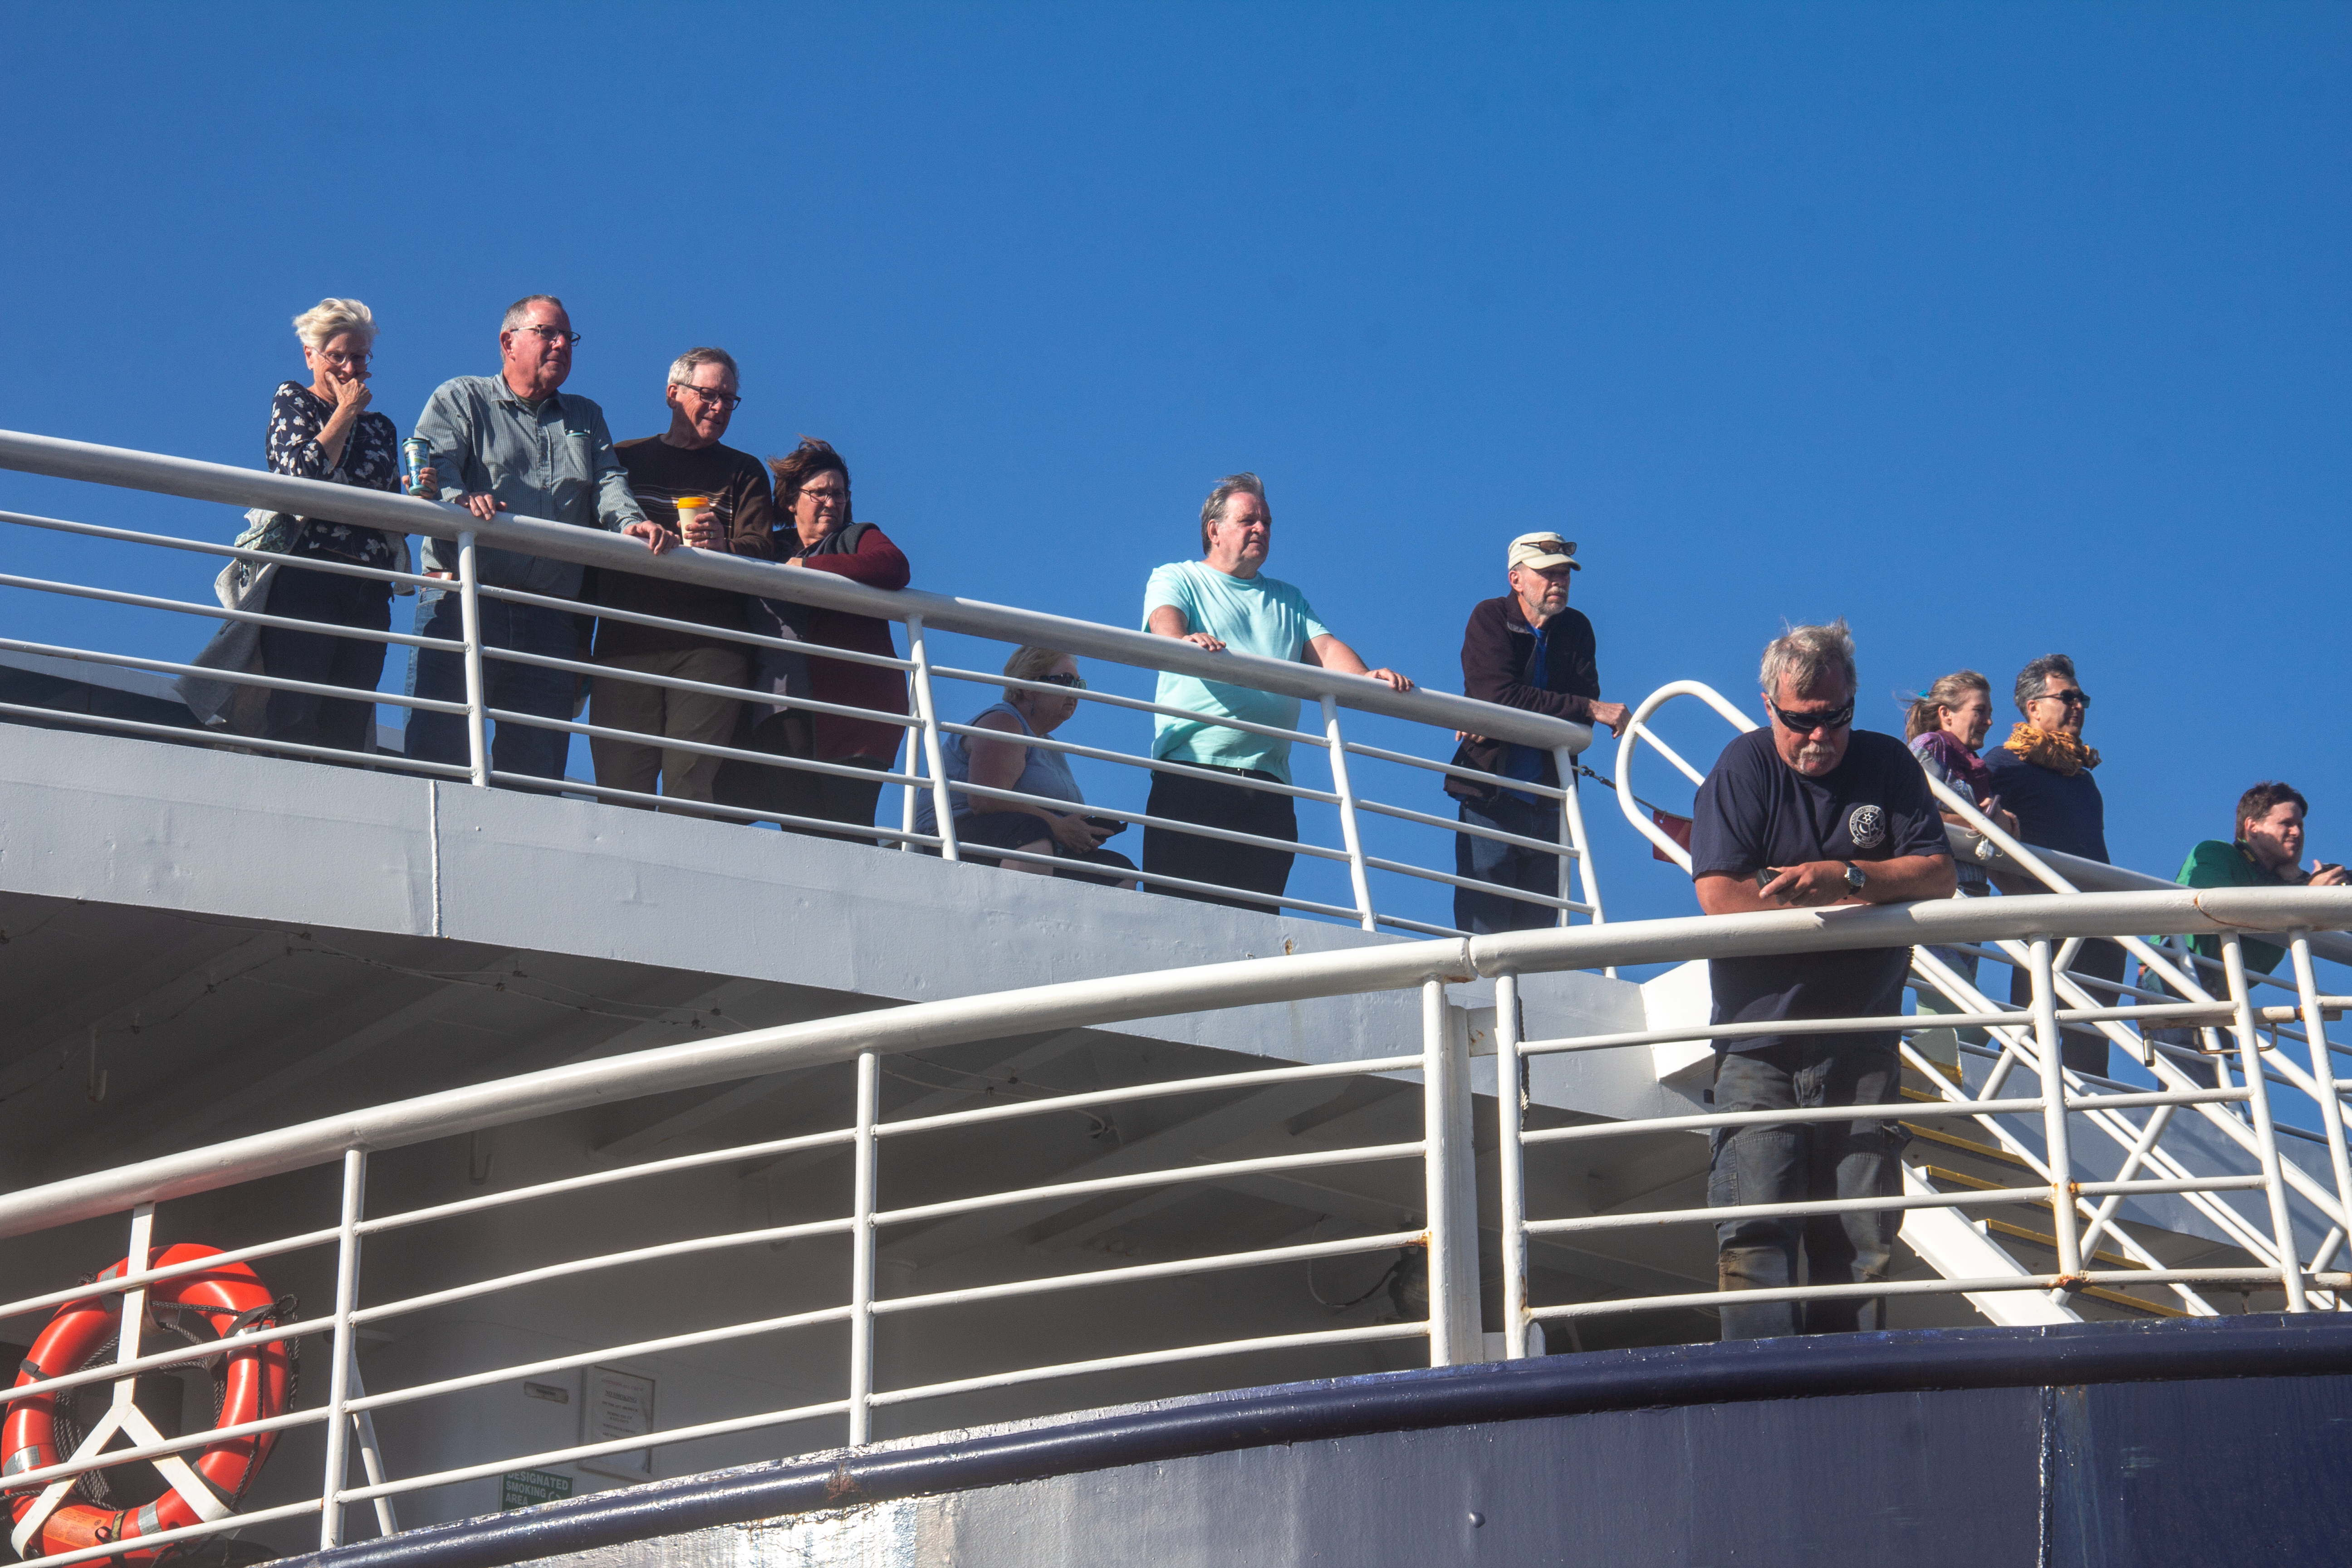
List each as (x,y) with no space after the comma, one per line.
(2054,811)
(1755,811)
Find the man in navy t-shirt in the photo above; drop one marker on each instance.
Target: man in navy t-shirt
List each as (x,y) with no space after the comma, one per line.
(1805,813)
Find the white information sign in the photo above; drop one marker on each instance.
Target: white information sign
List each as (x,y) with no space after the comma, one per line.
(619,1404)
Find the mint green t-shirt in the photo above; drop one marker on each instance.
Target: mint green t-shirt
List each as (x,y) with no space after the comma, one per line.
(1257,615)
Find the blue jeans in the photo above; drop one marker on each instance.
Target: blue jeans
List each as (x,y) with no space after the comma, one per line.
(1506,865)
(1801,1163)
(518,688)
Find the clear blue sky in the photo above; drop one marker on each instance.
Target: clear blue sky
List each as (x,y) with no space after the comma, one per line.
(1997,329)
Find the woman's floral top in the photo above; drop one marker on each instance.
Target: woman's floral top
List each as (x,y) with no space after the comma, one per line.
(371,459)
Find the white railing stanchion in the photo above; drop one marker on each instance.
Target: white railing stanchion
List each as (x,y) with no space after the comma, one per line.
(2058,1152)
(1454,1330)
(339,1377)
(933,763)
(469,605)
(2322,1069)
(910,792)
(861,1252)
(1572,837)
(1511,1165)
(371,1454)
(1349,835)
(2258,1103)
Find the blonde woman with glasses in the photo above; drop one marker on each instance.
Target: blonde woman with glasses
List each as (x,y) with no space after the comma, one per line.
(326,431)
(1041,704)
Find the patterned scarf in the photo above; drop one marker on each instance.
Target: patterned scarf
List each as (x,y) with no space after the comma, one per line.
(2060,753)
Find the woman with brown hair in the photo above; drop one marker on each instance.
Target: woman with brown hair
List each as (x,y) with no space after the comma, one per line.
(818,534)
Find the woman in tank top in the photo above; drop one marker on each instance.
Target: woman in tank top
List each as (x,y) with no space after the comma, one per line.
(1042,696)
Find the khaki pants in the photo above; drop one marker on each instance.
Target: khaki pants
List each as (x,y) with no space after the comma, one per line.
(623,704)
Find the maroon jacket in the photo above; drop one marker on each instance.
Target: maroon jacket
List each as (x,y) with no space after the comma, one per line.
(1496,647)
(878,563)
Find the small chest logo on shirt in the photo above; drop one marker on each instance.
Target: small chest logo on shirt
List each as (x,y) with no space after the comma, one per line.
(1866,825)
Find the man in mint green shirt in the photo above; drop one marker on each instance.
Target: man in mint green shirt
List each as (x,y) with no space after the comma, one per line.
(1222,602)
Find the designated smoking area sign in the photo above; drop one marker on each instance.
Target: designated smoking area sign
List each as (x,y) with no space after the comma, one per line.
(522,1488)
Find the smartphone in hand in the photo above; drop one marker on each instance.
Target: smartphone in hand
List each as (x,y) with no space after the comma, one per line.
(1105,824)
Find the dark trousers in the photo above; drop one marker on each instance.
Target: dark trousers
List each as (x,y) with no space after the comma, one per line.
(2086,1051)
(440,674)
(1802,1162)
(1505,866)
(794,792)
(1170,852)
(983,830)
(324,659)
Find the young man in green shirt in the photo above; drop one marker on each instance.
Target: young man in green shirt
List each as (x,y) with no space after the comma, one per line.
(2266,853)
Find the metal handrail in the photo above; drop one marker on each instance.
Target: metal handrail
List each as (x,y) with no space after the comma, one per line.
(564,542)
(1088,1002)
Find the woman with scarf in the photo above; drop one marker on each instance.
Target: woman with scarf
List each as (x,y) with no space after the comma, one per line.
(2042,774)
(1945,726)
(819,535)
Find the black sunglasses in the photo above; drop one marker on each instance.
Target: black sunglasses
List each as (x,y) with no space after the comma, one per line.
(2078,698)
(1806,723)
(1074,682)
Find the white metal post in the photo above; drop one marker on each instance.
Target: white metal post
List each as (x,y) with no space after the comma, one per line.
(861,1251)
(1510,1158)
(914,750)
(1348,834)
(347,1278)
(469,605)
(371,1453)
(2323,1069)
(2058,1151)
(2258,1101)
(1453,1332)
(1571,837)
(927,715)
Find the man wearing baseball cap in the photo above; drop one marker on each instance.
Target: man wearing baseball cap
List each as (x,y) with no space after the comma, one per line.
(1526,650)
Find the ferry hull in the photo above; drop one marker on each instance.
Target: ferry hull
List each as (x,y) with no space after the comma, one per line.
(2102,1445)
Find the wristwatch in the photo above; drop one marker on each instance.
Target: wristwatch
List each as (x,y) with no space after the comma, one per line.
(1855,879)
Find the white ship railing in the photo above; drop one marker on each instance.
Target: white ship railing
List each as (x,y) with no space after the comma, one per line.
(1365,825)
(2037,1122)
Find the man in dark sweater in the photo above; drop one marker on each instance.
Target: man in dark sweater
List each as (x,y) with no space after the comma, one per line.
(2043,776)
(1527,649)
(737,517)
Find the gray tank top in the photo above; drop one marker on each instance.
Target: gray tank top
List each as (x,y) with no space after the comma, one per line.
(1043,773)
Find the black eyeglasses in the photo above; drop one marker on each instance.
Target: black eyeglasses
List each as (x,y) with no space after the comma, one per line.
(2078,698)
(1074,682)
(556,337)
(1806,723)
(724,399)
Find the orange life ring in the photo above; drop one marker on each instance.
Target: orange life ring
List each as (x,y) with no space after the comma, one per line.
(255,1382)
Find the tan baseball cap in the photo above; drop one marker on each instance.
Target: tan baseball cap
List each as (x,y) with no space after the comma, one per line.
(1544,550)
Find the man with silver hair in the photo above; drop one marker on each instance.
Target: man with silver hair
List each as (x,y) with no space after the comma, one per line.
(1804,812)
(669,474)
(513,443)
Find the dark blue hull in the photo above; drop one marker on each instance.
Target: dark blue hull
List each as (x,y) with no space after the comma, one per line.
(2102,1445)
